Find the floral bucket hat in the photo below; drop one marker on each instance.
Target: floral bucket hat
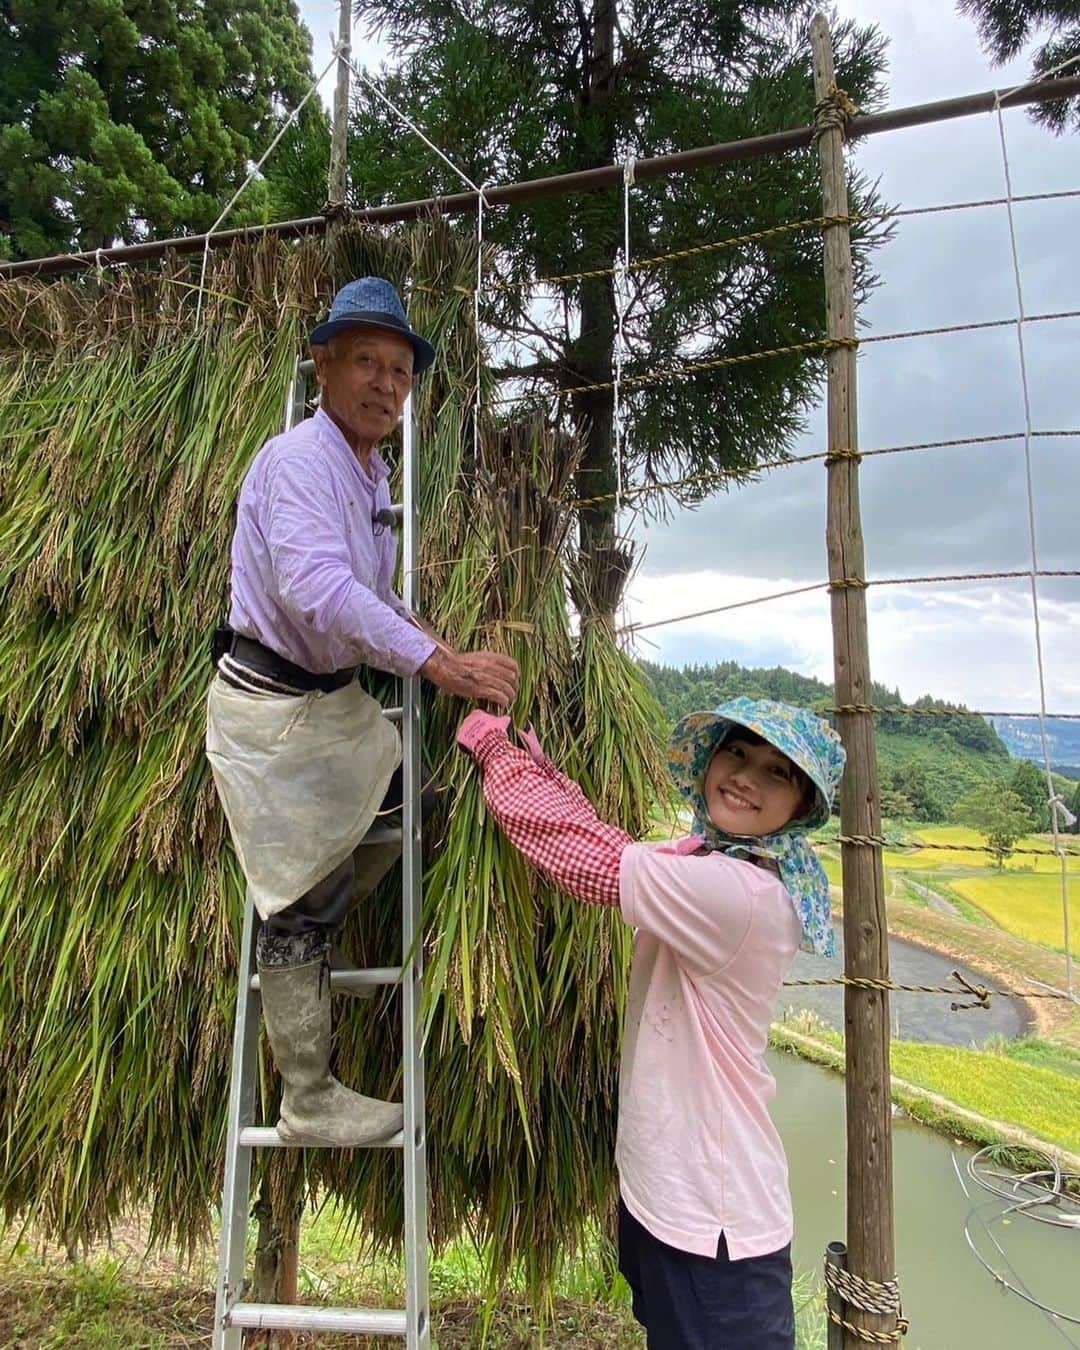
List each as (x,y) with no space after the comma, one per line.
(811,744)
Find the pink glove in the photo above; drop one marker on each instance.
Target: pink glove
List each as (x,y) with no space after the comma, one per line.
(476,726)
(531,742)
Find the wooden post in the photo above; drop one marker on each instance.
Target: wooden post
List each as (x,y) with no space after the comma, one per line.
(337,181)
(871,1253)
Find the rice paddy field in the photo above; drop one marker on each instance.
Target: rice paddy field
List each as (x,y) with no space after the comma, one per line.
(1008,923)
(1023,898)
(936,852)
(1028,905)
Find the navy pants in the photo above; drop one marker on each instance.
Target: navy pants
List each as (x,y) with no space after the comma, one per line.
(690,1302)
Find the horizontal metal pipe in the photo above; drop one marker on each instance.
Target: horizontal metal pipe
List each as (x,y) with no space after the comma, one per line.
(564,184)
(300,1317)
(266,1136)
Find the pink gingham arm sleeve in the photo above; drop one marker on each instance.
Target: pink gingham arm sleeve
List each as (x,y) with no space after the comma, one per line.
(552,822)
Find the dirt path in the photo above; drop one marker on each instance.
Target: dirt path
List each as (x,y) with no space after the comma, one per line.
(935,901)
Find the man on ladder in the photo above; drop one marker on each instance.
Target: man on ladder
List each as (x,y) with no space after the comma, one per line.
(301,756)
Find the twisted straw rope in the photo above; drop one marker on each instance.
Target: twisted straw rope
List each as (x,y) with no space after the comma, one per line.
(978,992)
(776,232)
(872,1296)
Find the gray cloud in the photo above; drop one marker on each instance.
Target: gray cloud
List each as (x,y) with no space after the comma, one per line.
(951,510)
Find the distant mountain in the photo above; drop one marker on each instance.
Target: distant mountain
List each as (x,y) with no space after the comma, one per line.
(1021,736)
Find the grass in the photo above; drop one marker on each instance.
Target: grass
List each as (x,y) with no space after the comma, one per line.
(103,1306)
(1034,1050)
(1037,1099)
(112,1302)
(1035,1088)
(124,433)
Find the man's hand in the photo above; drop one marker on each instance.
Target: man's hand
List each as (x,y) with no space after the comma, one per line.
(484,677)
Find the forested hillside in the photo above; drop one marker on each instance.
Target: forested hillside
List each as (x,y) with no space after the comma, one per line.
(927,760)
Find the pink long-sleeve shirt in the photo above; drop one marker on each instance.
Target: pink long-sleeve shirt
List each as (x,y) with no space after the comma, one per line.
(312,574)
(697,1152)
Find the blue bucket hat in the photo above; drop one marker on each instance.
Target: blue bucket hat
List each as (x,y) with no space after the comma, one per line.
(371,302)
(811,744)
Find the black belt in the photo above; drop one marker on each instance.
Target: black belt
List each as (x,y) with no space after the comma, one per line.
(267,668)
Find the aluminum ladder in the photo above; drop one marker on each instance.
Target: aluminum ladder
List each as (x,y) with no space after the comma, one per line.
(232,1314)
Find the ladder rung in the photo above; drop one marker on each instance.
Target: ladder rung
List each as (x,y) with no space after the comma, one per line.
(265,1136)
(297,1317)
(372,978)
(305,367)
(381,837)
(392,714)
(398,509)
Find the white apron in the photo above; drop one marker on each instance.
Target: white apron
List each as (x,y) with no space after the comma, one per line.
(300,779)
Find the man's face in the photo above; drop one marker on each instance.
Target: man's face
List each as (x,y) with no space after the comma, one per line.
(365,375)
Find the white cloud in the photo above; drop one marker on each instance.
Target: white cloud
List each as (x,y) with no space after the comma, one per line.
(972,643)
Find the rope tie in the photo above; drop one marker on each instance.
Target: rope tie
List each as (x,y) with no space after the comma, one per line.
(848,584)
(833,112)
(863,840)
(776,231)
(838,457)
(954,848)
(872,1296)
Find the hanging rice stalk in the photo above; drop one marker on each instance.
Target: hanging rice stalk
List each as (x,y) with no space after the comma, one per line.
(125,432)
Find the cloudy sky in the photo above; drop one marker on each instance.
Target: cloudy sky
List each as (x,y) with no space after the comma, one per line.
(933,512)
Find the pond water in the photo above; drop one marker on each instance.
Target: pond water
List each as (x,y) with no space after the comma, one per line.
(952,1302)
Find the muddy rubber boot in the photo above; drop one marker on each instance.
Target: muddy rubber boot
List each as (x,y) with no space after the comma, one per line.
(315,1108)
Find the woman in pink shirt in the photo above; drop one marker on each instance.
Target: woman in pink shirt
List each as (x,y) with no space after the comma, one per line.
(705,1211)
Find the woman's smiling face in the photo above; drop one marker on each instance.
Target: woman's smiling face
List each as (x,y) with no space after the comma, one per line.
(752,789)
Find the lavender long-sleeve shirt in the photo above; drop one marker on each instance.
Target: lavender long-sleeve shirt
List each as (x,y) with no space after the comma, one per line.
(311,574)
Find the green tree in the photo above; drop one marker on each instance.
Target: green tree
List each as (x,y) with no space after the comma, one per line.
(1007,26)
(1029,783)
(1074,807)
(896,805)
(122,119)
(517,89)
(915,779)
(999,815)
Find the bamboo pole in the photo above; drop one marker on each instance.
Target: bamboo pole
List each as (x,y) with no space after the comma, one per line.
(337,181)
(871,1254)
(563,184)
